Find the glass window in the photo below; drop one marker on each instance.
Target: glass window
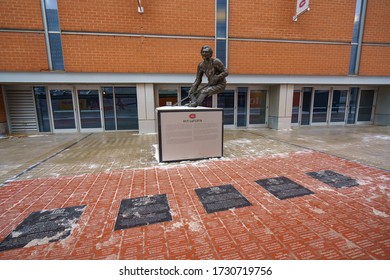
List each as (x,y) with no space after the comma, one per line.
(54,35)
(221,31)
(352,105)
(365,105)
(339,105)
(167,97)
(320,106)
(295,106)
(42,110)
(126,108)
(257,107)
(226,101)
(109,108)
(355,37)
(53,23)
(242,106)
(89,106)
(306,106)
(221,50)
(221,18)
(62,106)
(57,58)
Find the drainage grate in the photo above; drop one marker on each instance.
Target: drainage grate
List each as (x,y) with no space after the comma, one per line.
(142,211)
(333,179)
(283,188)
(221,198)
(43,227)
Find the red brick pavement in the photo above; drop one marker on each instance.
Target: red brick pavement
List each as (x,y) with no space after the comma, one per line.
(346,223)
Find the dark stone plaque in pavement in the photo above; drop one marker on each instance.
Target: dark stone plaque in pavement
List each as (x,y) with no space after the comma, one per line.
(141,211)
(333,179)
(43,227)
(221,198)
(283,187)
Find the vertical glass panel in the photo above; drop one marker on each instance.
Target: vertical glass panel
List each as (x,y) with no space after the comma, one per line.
(352,106)
(184,94)
(126,108)
(52,15)
(108,108)
(320,106)
(221,18)
(167,97)
(339,105)
(62,106)
(242,106)
(365,105)
(56,51)
(295,106)
(226,101)
(257,107)
(221,51)
(89,108)
(306,106)
(41,107)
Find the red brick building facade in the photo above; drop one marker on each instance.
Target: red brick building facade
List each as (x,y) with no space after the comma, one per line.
(282,72)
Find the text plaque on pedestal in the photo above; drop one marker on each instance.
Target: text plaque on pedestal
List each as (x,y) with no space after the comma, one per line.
(186,133)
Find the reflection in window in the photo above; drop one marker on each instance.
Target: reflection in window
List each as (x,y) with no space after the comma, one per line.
(295,106)
(339,105)
(352,106)
(242,106)
(120,108)
(108,108)
(257,107)
(42,110)
(221,30)
(320,106)
(167,97)
(126,108)
(226,101)
(62,106)
(365,105)
(54,34)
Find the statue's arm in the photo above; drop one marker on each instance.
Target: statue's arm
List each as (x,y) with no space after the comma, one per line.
(198,80)
(221,68)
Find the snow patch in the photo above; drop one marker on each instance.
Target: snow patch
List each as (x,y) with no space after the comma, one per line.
(379,213)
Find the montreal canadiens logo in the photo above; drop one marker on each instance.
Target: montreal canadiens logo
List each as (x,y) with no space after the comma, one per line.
(192,116)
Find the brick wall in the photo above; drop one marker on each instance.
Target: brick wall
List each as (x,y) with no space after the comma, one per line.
(179,17)
(131,54)
(375,61)
(330,20)
(21,14)
(377,22)
(22,52)
(286,58)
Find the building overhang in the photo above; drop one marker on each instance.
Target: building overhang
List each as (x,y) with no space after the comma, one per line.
(150,78)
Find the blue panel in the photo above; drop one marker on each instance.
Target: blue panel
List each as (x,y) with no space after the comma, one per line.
(57,58)
(221,50)
(221,18)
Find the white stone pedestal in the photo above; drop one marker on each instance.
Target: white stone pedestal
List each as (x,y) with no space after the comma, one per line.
(186,133)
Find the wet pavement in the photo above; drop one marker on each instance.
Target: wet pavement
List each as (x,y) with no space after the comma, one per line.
(101,170)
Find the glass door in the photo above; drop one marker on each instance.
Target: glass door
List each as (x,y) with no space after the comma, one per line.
(339,106)
(366,102)
(62,110)
(320,106)
(226,101)
(306,106)
(296,106)
(258,107)
(89,110)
